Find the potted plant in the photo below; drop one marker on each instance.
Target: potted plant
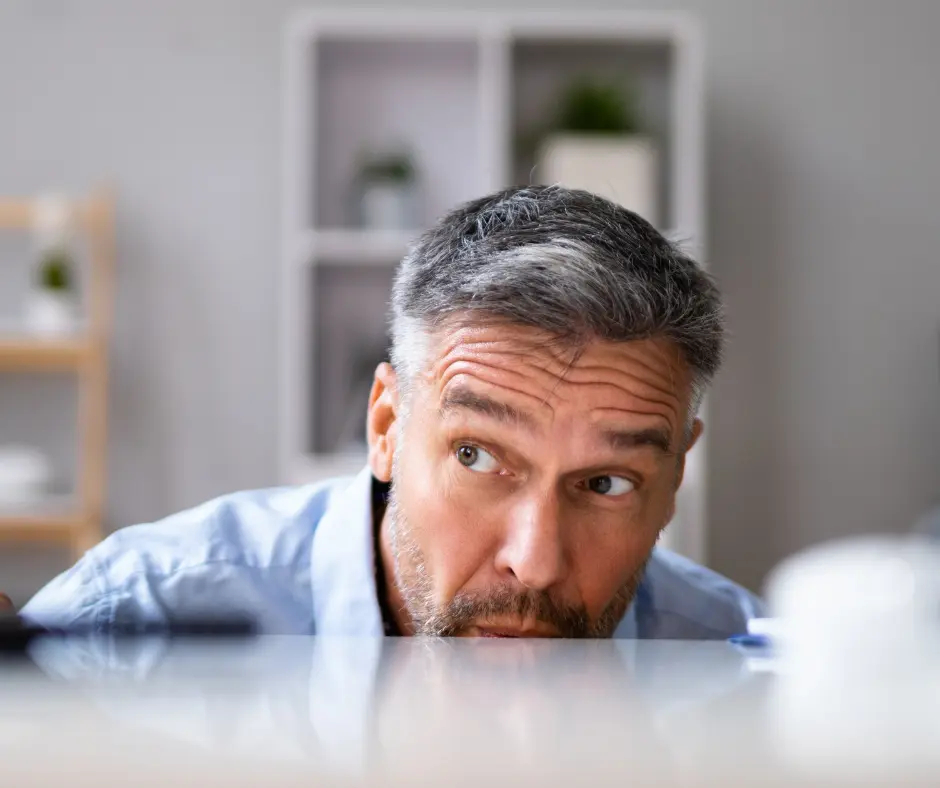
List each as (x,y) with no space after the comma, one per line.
(596,143)
(52,306)
(387,191)
(52,301)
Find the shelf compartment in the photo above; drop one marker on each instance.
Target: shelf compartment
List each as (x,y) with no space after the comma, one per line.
(350,337)
(542,69)
(354,247)
(373,95)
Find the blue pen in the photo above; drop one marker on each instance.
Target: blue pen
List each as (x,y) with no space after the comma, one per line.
(750,641)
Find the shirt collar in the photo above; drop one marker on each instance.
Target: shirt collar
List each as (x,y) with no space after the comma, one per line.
(343,563)
(627,628)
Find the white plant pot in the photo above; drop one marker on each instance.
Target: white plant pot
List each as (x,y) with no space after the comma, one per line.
(50,313)
(25,475)
(387,206)
(622,169)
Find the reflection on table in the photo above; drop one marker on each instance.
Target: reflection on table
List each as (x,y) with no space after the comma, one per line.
(393,711)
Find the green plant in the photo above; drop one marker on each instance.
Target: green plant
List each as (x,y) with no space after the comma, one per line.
(55,270)
(594,107)
(389,168)
(588,106)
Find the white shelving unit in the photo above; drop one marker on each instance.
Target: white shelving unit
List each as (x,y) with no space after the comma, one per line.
(459,89)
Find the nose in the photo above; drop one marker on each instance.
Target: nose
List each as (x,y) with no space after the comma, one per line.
(533,549)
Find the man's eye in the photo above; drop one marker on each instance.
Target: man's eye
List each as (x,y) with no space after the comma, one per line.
(476,459)
(610,485)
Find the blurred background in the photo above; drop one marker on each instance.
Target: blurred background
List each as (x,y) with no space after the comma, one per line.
(202,203)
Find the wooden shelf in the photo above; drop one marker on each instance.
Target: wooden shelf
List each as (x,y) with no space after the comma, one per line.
(18,354)
(18,214)
(55,521)
(15,214)
(39,529)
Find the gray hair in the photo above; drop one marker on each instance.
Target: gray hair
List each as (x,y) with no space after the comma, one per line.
(568,262)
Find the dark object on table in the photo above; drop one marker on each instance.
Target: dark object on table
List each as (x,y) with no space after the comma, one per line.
(16,635)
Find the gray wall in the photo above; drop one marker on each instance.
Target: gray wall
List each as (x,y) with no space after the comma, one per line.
(823,182)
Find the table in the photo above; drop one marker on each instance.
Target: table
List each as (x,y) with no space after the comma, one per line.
(287,710)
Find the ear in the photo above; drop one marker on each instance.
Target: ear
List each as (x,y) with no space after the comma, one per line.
(382,421)
(697,429)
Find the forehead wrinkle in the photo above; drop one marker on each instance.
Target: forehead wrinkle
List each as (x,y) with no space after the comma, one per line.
(512,415)
(668,375)
(516,382)
(537,374)
(651,352)
(518,344)
(533,373)
(621,382)
(656,366)
(544,372)
(677,371)
(527,348)
(642,400)
(456,398)
(670,403)
(658,361)
(561,378)
(645,408)
(473,370)
(618,377)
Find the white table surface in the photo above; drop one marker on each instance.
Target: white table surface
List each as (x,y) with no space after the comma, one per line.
(308,711)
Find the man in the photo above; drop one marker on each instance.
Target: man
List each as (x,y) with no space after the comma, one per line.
(526,443)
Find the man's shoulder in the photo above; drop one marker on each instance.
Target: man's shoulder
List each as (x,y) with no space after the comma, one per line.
(247,551)
(258,528)
(684,599)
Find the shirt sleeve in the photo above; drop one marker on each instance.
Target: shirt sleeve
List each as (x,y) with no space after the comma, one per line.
(126,578)
(682,599)
(137,576)
(242,555)
(79,597)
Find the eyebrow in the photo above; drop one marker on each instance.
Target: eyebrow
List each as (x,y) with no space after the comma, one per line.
(655,437)
(462,398)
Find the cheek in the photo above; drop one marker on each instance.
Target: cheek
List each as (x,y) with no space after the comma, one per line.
(450,528)
(602,569)
(611,549)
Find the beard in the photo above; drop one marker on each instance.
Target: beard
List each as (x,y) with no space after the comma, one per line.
(432,619)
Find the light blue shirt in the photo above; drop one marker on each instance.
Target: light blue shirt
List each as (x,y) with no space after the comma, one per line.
(300,560)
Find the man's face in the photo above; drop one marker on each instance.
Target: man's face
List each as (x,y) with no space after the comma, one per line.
(529,482)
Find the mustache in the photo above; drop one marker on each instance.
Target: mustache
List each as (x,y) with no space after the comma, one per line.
(466,608)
